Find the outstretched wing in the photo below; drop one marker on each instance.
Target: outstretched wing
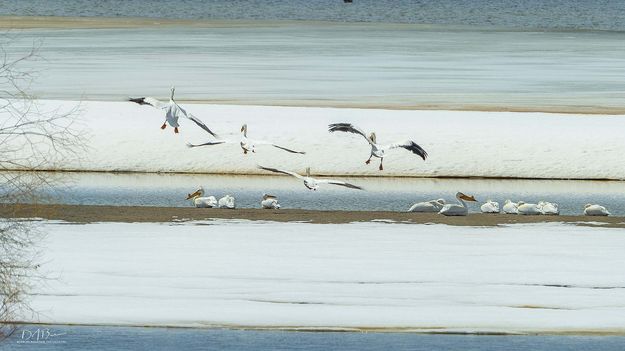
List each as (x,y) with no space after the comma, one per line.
(339,182)
(410,146)
(348,128)
(288,150)
(214,142)
(149,101)
(275,170)
(196,121)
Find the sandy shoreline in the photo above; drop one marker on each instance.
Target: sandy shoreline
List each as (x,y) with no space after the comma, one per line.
(141,214)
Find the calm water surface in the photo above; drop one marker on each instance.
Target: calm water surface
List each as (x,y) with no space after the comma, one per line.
(120,338)
(390,194)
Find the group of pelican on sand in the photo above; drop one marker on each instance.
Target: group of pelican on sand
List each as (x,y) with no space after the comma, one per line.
(509,207)
(173,113)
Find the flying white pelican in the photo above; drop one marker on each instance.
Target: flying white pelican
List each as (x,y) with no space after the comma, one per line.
(549,208)
(490,207)
(226,202)
(378,150)
(595,210)
(310,182)
(510,207)
(457,209)
(199,200)
(246,143)
(172,112)
(428,206)
(529,209)
(269,202)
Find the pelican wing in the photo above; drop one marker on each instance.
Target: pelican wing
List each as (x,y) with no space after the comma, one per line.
(275,170)
(263,142)
(149,101)
(410,146)
(339,182)
(348,128)
(214,142)
(196,121)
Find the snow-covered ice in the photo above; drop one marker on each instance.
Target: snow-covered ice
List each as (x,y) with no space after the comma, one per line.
(126,137)
(521,278)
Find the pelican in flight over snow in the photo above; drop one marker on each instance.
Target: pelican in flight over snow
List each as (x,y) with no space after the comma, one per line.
(172,112)
(428,206)
(459,209)
(490,207)
(269,202)
(310,182)
(199,200)
(248,145)
(595,210)
(378,150)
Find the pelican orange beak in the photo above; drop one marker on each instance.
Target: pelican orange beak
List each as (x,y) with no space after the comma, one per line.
(190,196)
(467,198)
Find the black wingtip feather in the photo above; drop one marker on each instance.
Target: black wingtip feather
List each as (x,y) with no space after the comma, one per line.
(140,101)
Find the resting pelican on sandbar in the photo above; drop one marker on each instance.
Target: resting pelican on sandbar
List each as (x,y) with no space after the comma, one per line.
(428,206)
(199,200)
(227,202)
(595,210)
(246,143)
(310,182)
(269,202)
(490,207)
(510,207)
(172,112)
(549,208)
(529,209)
(378,150)
(457,209)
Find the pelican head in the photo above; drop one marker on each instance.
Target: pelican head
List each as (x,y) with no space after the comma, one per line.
(244,129)
(520,203)
(441,201)
(507,202)
(587,205)
(173,89)
(464,197)
(372,137)
(199,192)
(267,196)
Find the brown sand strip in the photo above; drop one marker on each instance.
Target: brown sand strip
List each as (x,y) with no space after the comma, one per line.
(88,214)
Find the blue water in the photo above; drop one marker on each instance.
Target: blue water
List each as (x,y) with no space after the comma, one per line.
(524,14)
(381,194)
(121,338)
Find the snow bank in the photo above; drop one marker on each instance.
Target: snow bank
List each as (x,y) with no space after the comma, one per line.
(126,137)
(526,278)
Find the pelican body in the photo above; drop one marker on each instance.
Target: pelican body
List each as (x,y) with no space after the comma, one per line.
(490,207)
(529,209)
(269,202)
(595,210)
(227,202)
(459,209)
(199,200)
(428,206)
(549,208)
(378,150)
(510,207)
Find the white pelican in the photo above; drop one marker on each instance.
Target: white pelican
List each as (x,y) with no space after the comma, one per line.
(310,182)
(595,210)
(457,209)
(199,200)
(226,202)
(428,206)
(490,207)
(549,208)
(378,150)
(510,207)
(529,209)
(246,143)
(269,202)
(172,112)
